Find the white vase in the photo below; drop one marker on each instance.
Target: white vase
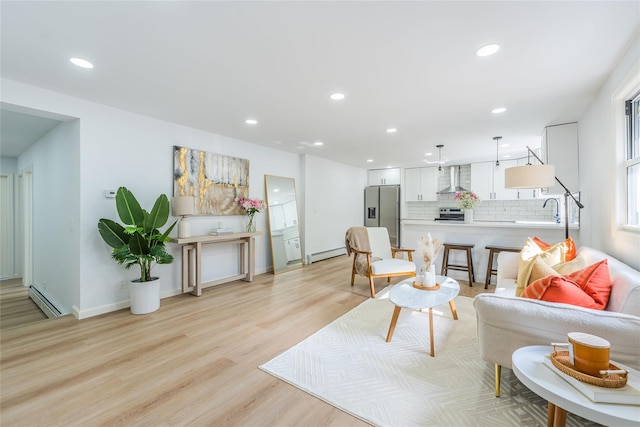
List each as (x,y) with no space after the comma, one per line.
(430,277)
(144,297)
(468,215)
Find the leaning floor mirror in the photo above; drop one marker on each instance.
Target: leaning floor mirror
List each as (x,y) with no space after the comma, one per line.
(282,210)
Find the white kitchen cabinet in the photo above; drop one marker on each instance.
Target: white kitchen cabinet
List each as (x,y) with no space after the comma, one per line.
(420,184)
(487,180)
(389,176)
(500,192)
(560,148)
(482,179)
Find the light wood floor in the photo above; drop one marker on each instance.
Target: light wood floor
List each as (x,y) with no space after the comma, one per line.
(16,308)
(193,362)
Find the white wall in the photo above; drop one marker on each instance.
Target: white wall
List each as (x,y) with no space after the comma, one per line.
(334,201)
(118,148)
(8,165)
(601,153)
(54,160)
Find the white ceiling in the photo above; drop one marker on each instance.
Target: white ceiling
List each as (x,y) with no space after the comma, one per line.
(408,65)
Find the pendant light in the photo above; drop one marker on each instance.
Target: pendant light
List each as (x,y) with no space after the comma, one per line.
(439,157)
(497,139)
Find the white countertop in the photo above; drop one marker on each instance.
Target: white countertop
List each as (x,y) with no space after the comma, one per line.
(489,224)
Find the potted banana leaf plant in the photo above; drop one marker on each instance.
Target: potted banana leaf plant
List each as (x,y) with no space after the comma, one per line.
(139,242)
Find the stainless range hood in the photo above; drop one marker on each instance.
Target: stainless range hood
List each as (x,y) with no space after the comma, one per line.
(454,181)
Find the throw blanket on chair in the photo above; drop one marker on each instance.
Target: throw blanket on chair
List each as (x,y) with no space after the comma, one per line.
(358,238)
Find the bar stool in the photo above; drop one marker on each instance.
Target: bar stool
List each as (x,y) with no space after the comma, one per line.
(445,260)
(494,250)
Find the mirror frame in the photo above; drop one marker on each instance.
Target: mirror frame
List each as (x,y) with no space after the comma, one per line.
(299,263)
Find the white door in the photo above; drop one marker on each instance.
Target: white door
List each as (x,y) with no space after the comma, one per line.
(7,269)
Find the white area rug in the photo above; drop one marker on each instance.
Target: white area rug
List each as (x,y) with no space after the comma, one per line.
(349,365)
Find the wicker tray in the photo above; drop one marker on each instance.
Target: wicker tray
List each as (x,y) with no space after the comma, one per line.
(426,288)
(560,360)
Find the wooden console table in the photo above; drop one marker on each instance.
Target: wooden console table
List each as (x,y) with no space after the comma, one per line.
(192,255)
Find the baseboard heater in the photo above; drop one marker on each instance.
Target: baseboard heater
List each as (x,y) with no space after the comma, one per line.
(44,303)
(331,253)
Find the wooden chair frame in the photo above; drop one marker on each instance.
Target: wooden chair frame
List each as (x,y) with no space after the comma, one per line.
(372,276)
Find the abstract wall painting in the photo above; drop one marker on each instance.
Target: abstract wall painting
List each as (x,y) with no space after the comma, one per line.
(217,182)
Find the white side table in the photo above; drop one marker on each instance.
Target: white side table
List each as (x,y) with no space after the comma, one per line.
(528,365)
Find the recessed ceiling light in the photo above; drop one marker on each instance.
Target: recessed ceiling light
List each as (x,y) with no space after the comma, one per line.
(83,63)
(337,96)
(487,50)
(318,143)
(392,130)
(369,160)
(498,110)
(251,121)
(506,156)
(428,154)
(504,145)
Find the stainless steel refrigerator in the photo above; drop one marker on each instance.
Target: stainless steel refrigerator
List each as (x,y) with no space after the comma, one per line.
(382,209)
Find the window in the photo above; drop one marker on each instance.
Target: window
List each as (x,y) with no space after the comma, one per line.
(632,160)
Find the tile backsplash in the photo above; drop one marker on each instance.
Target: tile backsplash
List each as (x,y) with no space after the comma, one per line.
(491,210)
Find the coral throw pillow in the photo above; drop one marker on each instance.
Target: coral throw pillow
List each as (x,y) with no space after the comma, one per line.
(558,289)
(571,247)
(529,254)
(589,287)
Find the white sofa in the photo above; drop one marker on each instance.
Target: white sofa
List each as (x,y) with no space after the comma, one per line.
(507,322)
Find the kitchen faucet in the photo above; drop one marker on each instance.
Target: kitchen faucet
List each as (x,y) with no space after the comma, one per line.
(557,215)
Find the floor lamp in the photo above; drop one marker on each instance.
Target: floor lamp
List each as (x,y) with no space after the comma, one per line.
(539,176)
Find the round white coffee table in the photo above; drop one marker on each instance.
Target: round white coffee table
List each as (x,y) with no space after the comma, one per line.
(528,365)
(404,295)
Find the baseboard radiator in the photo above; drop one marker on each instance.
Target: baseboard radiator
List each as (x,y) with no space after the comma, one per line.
(47,307)
(319,256)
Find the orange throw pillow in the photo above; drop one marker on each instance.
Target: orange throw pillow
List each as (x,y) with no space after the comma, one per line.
(594,280)
(559,289)
(570,244)
(589,287)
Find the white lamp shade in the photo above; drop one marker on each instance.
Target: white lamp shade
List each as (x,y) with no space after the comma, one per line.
(530,176)
(184,205)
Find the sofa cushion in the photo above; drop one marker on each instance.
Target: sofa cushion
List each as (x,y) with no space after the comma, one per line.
(528,255)
(589,287)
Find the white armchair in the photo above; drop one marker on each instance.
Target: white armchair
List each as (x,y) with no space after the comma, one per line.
(375,257)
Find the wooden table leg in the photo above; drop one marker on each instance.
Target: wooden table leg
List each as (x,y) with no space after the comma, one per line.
(251,254)
(394,319)
(551,413)
(198,290)
(431,331)
(454,313)
(560,417)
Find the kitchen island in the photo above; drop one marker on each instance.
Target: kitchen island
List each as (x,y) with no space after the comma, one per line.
(480,233)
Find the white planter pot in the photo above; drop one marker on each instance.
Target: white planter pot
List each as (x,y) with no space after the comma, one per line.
(468,215)
(144,297)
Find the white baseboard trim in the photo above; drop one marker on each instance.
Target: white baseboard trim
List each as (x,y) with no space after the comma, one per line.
(319,256)
(108,308)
